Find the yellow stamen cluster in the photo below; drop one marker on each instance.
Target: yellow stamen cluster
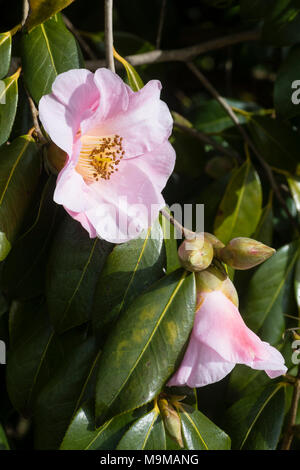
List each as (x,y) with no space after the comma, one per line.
(99,156)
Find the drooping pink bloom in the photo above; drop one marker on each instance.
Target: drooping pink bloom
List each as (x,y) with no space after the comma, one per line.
(119,157)
(220,340)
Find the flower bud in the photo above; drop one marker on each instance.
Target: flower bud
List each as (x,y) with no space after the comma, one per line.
(244,253)
(56,158)
(195,254)
(171,421)
(216,243)
(212,279)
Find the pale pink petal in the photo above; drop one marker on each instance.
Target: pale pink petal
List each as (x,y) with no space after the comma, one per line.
(273,364)
(71,190)
(125,205)
(74,99)
(144,124)
(158,164)
(220,326)
(201,366)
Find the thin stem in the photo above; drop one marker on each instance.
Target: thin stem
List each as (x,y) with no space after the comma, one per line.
(109,43)
(35,113)
(185,232)
(290,428)
(161,23)
(85,46)
(244,134)
(184,54)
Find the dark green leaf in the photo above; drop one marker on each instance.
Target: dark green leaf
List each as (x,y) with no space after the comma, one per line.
(75,263)
(5,53)
(63,395)
(170,241)
(282,24)
(30,335)
(8,105)
(49,49)
(255,421)
(277,143)
(23,275)
(240,209)
(199,433)
(41,10)
(19,173)
(147,433)
(83,435)
(211,117)
(270,293)
(3,440)
(130,269)
(132,369)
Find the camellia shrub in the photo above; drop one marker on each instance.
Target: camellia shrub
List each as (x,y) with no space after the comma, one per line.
(149,225)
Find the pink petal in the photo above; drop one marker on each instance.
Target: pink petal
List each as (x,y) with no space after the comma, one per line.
(74,99)
(201,366)
(158,164)
(144,123)
(220,326)
(125,205)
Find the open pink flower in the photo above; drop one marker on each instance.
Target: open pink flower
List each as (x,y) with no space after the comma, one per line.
(220,340)
(119,157)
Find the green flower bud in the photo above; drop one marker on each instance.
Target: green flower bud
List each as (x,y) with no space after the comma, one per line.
(244,253)
(213,279)
(216,243)
(195,254)
(171,421)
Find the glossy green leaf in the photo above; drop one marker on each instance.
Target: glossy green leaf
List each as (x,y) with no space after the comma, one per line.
(60,399)
(286,90)
(147,433)
(199,433)
(83,435)
(74,266)
(240,208)
(270,293)
(30,335)
(211,117)
(294,185)
(48,50)
(19,173)
(36,353)
(255,421)
(264,229)
(3,440)
(129,270)
(244,381)
(134,80)
(23,274)
(170,242)
(42,10)
(159,320)
(5,53)
(8,105)
(277,143)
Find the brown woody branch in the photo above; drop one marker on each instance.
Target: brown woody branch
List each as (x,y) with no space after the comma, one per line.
(184,54)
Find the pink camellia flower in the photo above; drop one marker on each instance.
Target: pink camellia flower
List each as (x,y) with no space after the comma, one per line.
(119,158)
(220,340)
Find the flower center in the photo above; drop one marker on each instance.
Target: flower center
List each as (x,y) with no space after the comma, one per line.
(99,156)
